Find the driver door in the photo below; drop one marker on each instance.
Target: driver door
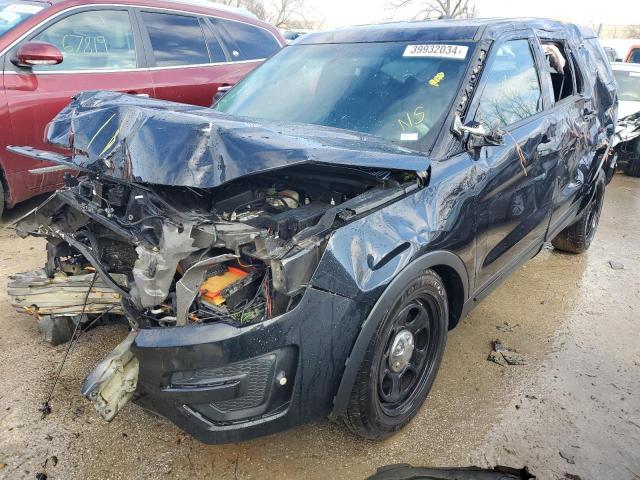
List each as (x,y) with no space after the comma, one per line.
(514,205)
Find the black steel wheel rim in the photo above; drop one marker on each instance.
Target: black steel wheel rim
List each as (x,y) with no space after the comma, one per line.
(397,390)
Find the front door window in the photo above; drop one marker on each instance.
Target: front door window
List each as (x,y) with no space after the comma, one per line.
(92,40)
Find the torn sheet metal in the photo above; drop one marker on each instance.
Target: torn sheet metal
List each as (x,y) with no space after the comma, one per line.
(164,143)
(111,384)
(155,267)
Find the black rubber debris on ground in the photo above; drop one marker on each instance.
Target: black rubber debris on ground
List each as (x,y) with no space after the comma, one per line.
(407,472)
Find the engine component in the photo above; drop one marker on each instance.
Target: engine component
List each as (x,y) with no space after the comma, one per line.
(286,224)
(224,276)
(286,198)
(120,257)
(118,195)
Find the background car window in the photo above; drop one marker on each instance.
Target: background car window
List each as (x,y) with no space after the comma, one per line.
(93,40)
(247,42)
(216,53)
(635,56)
(176,39)
(512,91)
(628,85)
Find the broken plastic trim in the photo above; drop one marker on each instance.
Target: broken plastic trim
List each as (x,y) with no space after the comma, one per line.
(112,382)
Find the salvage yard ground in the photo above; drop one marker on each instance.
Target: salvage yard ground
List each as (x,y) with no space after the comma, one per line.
(572,408)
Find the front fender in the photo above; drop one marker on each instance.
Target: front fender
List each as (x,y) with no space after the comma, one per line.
(378,312)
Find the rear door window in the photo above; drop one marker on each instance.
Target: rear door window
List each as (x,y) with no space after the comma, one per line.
(512,92)
(216,52)
(246,42)
(566,77)
(92,40)
(175,39)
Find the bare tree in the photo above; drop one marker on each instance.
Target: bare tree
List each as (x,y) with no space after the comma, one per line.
(281,13)
(288,14)
(254,6)
(426,9)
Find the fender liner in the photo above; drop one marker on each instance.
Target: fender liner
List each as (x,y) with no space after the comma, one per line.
(380,309)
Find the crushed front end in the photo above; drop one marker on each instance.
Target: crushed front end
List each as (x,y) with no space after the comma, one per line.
(229,337)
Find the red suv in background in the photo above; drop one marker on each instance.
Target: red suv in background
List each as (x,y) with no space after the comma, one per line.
(49,51)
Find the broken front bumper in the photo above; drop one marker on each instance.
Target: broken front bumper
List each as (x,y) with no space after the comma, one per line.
(223,383)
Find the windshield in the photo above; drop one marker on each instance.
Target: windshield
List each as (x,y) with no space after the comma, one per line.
(628,85)
(14,13)
(397,91)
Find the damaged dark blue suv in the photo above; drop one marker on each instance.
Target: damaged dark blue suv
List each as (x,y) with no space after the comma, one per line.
(301,250)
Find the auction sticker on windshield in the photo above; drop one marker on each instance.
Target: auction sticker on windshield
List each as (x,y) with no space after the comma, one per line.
(436,50)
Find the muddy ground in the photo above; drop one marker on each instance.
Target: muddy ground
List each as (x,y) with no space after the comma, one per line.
(574,408)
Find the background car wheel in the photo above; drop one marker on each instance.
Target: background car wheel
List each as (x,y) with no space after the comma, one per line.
(401,361)
(577,238)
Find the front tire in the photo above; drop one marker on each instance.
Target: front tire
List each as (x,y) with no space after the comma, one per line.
(576,238)
(401,361)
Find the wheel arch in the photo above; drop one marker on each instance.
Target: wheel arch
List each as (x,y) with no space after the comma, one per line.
(455,277)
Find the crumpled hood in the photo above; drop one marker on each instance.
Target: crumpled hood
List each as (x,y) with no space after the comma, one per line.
(143,140)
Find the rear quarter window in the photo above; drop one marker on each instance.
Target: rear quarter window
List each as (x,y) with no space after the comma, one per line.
(597,60)
(246,42)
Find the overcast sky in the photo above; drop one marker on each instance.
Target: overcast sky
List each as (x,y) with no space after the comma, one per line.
(341,13)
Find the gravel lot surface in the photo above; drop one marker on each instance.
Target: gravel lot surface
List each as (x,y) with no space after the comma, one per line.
(573,408)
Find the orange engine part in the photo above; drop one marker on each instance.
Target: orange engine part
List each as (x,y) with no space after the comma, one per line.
(212,287)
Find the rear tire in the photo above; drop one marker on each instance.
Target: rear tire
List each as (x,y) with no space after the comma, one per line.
(397,372)
(576,238)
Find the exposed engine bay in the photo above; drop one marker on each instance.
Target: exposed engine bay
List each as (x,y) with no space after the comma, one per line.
(221,227)
(175,255)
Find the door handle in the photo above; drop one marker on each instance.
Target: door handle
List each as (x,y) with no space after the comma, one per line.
(545,138)
(586,113)
(221,92)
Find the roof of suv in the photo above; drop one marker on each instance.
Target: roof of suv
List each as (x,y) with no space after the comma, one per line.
(438,30)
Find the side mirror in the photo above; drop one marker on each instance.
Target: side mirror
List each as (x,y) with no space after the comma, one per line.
(479,135)
(35,53)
